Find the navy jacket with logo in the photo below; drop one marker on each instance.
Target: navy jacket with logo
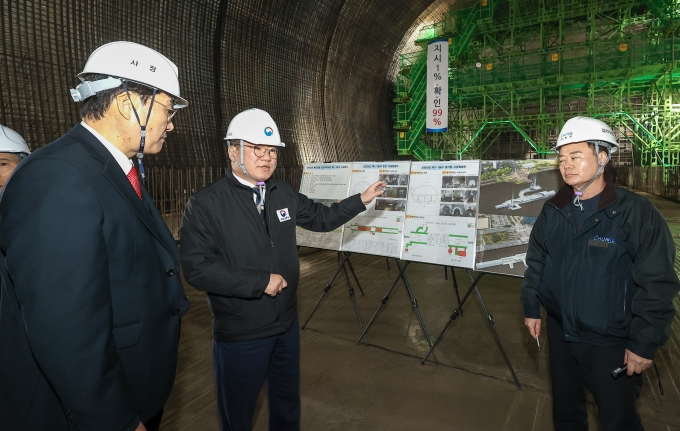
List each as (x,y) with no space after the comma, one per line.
(611,282)
(227,252)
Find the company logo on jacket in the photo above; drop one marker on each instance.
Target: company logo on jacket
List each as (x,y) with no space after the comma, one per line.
(283,214)
(605,239)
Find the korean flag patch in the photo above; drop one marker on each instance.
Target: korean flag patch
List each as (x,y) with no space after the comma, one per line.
(283,214)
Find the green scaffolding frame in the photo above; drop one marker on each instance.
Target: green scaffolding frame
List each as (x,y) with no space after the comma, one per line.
(519,69)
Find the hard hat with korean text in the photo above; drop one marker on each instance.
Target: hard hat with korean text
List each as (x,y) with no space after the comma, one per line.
(133,62)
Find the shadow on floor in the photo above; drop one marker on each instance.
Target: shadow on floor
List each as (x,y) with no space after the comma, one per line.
(382,385)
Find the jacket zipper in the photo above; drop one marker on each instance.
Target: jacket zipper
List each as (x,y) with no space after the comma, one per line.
(625,294)
(271,241)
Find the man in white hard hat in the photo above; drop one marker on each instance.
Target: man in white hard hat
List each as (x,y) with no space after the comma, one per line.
(92,300)
(238,244)
(600,262)
(13,149)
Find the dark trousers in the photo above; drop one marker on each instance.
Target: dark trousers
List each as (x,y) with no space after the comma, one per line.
(154,423)
(576,366)
(242,368)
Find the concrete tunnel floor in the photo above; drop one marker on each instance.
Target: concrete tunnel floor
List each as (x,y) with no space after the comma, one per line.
(382,385)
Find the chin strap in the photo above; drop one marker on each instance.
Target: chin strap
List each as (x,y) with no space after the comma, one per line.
(142,133)
(600,169)
(260,184)
(240,163)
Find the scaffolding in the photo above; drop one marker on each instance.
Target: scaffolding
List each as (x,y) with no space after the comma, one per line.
(519,69)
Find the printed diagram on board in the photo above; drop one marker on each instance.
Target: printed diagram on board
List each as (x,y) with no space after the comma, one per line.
(455,244)
(441,214)
(379,229)
(325,183)
(424,195)
(360,187)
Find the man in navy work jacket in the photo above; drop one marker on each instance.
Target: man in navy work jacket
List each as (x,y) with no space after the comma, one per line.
(238,244)
(600,262)
(91,304)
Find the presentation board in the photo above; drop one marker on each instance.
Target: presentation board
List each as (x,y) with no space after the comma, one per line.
(441,213)
(464,213)
(511,197)
(326,183)
(379,229)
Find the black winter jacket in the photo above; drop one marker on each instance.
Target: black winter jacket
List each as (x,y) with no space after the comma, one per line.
(612,282)
(227,252)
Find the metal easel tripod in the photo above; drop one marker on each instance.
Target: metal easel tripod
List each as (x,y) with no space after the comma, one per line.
(414,304)
(489,319)
(343,257)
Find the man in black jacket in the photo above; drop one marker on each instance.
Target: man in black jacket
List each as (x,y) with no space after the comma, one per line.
(238,244)
(91,302)
(600,262)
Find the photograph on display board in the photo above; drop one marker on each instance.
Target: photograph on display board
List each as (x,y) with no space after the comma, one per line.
(379,229)
(512,194)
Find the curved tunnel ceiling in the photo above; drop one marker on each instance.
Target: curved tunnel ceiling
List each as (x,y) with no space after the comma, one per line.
(323,69)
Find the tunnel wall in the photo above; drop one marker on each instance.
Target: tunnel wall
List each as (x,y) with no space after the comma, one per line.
(323,69)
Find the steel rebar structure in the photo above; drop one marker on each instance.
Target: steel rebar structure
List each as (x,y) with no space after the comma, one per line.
(323,69)
(519,69)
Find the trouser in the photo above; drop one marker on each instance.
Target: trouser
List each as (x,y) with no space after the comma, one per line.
(154,423)
(575,366)
(242,368)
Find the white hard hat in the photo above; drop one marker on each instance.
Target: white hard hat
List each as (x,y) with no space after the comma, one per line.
(255,126)
(586,129)
(130,61)
(12,142)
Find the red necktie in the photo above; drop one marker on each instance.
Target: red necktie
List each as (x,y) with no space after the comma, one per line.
(134,180)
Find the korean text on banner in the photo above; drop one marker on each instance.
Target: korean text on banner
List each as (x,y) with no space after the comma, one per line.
(437,86)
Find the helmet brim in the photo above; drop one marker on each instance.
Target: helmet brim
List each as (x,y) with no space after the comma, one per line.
(180,102)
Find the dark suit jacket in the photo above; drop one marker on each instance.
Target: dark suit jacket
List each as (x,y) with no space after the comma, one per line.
(91,303)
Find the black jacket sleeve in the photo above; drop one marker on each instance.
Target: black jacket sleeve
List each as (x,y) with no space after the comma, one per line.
(317,217)
(657,284)
(57,258)
(203,265)
(533,275)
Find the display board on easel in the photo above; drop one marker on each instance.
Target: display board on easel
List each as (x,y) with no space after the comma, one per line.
(511,197)
(465,213)
(441,213)
(379,229)
(326,183)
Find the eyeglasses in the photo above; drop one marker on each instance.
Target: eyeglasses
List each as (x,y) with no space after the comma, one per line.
(171,112)
(261,151)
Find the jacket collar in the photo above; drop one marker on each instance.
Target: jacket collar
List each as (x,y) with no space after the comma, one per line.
(566,194)
(144,208)
(270,183)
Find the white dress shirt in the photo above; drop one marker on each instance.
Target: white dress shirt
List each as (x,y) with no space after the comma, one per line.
(125,163)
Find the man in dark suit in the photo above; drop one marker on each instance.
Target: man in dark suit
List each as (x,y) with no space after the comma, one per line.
(91,304)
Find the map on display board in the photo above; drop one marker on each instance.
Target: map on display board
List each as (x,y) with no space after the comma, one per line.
(511,197)
(379,229)
(326,183)
(441,213)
